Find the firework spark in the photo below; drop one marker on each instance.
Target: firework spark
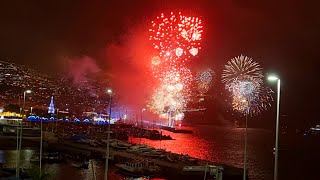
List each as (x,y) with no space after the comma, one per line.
(243,78)
(258,102)
(262,101)
(243,93)
(176,37)
(168,98)
(204,80)
(241,68)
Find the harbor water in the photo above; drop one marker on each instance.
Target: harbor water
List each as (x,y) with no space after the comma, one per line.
(217,144)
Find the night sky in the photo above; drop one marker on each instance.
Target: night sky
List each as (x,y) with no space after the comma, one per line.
(282,36)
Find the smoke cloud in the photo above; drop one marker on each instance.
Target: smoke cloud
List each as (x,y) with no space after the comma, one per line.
(128,63)
(80,68)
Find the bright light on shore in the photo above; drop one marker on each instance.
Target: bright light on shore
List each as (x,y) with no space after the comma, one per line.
(28,91)
(109,91)
(272,78)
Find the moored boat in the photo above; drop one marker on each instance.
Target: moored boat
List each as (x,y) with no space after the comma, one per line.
(48,158)
(139,168)
(216,172)
(83,165)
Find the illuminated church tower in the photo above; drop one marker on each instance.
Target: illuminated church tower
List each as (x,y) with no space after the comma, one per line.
(51,106)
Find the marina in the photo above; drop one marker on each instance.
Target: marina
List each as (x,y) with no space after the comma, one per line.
(171,165)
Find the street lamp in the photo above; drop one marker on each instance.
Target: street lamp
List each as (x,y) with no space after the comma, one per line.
(141,123)
(245,140)
(275,78)
(17,153)
(30,115)
(109,91)
(19,148)
(57,120)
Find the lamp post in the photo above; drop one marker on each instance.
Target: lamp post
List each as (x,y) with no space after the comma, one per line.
(274,78)
(141,124)
(17,156)
(30,115)
(57,121)
(31,108)
(40,159)
(19,152)
(109,91)
(245,144)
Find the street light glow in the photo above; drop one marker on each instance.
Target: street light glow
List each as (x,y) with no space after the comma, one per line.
(276,148)
(272,78)
(109,91)
(28,91)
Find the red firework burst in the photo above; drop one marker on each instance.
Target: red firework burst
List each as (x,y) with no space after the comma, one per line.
(176,37)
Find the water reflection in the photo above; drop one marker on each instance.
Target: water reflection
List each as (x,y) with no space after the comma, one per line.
(222,145)
(8,157)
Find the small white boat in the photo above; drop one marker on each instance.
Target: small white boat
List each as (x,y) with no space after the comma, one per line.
(139,149)
(154,153)
(215,171)
(139,168)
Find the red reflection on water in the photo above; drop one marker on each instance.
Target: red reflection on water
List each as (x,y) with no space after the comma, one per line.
(222,146)
(191,144)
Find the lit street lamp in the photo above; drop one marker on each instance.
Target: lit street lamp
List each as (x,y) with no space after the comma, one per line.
(19,148)
(30,115)
(274,78)
(109,91)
